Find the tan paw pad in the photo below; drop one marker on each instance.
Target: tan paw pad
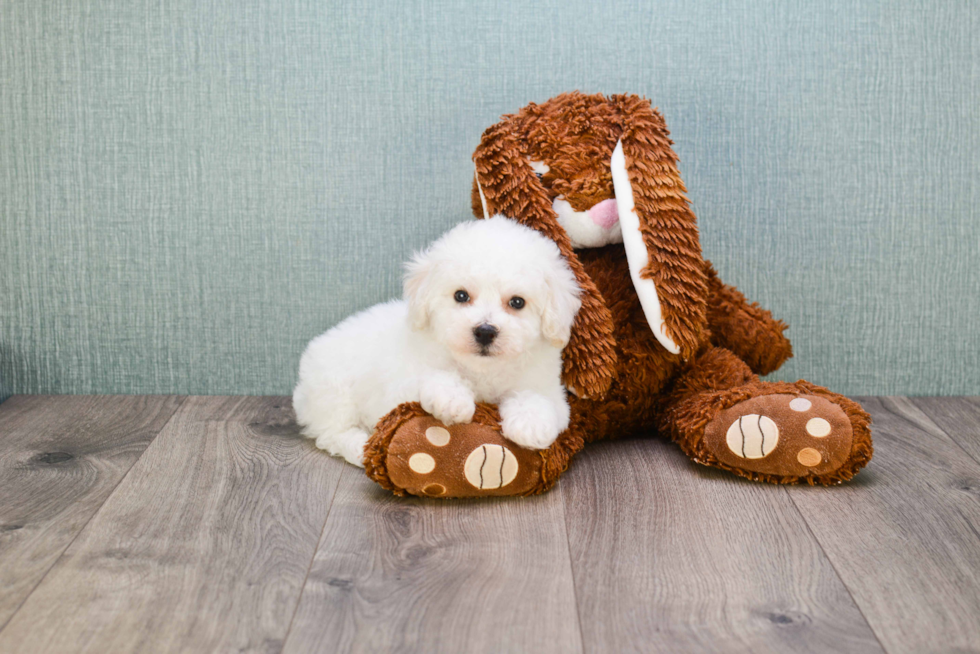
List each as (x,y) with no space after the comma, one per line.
(490,466)
(752,436)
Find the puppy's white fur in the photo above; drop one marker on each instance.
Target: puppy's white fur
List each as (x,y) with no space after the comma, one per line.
(424,349)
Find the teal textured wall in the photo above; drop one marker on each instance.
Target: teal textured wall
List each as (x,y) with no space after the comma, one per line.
(189,191)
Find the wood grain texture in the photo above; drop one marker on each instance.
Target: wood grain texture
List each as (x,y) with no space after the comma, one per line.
(669,556)
(425,575)
(203,547)
(221,536)
(958,417)
(60,458)
(904,535)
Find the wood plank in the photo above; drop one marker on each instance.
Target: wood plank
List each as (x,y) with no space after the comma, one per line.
(904,535)
(60,458)
(426,575)
(958,417)
(671,556)
(204,546)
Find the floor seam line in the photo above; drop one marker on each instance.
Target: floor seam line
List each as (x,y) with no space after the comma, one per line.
(316,550)
(936,425)
(826,555)
(571,568)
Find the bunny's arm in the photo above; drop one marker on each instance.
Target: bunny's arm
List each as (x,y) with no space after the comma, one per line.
(744,327)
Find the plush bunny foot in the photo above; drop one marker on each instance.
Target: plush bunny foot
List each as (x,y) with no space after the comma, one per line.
(413,452)
(786,437)
(782,435)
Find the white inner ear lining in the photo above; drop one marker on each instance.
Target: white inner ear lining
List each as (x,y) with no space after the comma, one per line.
(636,250)
(483,198)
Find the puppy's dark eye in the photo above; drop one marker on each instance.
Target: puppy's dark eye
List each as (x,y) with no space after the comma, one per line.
(540,175)
(461,296)
(516,303)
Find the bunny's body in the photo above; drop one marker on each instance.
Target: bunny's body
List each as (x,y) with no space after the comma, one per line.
(660,344)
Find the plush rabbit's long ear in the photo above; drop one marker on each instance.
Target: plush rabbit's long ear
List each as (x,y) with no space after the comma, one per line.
(506,185)
(660,232)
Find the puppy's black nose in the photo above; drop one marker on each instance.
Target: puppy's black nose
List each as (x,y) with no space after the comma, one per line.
(484,334)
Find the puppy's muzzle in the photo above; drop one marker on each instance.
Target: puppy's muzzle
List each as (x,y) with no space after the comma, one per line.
(484,334)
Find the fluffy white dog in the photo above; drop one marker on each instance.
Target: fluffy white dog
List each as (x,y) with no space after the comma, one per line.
(487,310)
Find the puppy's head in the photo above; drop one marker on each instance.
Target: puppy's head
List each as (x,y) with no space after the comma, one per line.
(492,289)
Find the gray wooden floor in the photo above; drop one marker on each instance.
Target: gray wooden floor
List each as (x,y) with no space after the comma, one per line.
(201,524)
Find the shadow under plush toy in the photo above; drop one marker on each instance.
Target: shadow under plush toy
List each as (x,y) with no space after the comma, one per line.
(660,343)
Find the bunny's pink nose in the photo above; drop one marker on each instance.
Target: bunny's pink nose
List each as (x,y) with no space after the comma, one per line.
(605,214)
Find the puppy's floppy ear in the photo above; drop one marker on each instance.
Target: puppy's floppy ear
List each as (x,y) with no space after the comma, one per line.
(665,257)
(506,184)
(416,284)
(561,304)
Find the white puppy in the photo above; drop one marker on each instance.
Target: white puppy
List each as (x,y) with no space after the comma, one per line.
(487,310)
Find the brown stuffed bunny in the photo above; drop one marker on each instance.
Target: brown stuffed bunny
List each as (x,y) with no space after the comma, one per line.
(660,343)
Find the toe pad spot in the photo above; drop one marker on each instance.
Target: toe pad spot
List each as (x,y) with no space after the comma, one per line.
(434,490)
(438,436)
(818,427)
(800,404)
(809,457)
(421,463)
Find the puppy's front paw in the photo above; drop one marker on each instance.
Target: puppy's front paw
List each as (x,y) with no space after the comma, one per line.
(449,403)
(530,420)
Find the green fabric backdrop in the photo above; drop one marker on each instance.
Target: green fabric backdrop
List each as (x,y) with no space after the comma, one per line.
(189,191)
